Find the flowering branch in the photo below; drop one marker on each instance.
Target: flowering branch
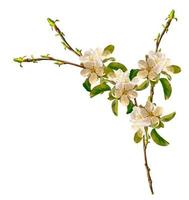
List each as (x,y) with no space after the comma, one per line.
(169,19)
(103,73)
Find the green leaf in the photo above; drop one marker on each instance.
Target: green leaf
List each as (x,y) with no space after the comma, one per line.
(130,107)
(138,136)
(111,96)
(87,85)
(143,85)
(115,107)
(99,89)
(108,70)
(167,89)
(108,50)
(117,65)
(109,59)
(174,69)
(133,73)
(168,117)
(158,139)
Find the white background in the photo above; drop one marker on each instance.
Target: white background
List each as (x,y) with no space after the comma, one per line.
(56,142)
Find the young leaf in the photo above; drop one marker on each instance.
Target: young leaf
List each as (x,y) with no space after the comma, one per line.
(116,66)
(108,70)
(87,85)
(19,60)
(158,139)
(108,50)
(167,89)
(99,89)
(45,56)
(133,73)
(174,69)
(143,85)
(51,22)
(109,59)
(58,63)
(115,107)
(138,136)
(79,51)
(168,117)
(130,107)
(65,45)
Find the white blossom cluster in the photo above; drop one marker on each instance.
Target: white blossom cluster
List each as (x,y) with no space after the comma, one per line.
(124,89)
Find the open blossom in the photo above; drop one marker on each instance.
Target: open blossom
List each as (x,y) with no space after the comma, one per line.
(124,88)
(92,61)
(161,60)
(146,116)
(155,63)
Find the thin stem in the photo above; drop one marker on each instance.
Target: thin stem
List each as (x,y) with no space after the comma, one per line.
(61,62)
(165,29)
(68,46)
(145,143)
(152,86)
(135,102)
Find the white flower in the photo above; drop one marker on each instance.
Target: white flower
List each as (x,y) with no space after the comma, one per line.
(124,88)
(161,60)
(146,116)
(92,61)
(155,63)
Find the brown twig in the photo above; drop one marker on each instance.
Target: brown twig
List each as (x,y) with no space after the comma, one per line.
(34,60)
(152,86)
(61,34)
(135,102)
(145,143)
(165,28)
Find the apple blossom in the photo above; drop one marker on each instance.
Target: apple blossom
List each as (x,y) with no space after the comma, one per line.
(108,75)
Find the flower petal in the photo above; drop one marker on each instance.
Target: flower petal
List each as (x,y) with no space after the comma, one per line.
(85,72)
(88,64)
(99,71)
(149,106)
(93,78)
(124,100)
(155,121)
(142,64)
(142,74)
(144,113)
(151,62)
(158,111)
(118,92)
(132,94)
(152,75)
(129,86)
